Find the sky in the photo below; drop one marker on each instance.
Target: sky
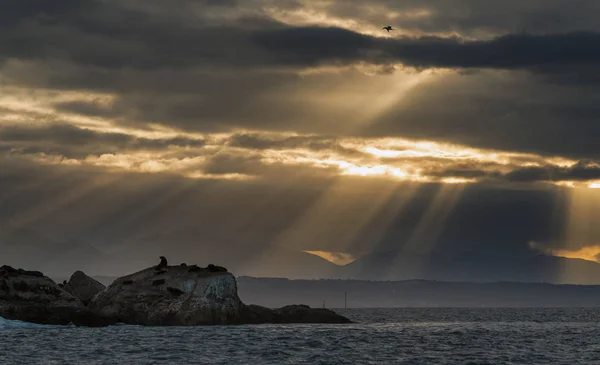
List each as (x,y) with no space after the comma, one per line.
(193,127)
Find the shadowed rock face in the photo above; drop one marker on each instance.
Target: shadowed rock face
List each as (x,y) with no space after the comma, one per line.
(32,297)
(175,295)
(83,287)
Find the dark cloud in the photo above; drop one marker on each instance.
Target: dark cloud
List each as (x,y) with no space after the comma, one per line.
(314,46)
(73,142)
(61,134)
(87,108)
(525,78)
(315,143)
(582,171)
(505,111)
(221,70)
(474,17)
(128,35)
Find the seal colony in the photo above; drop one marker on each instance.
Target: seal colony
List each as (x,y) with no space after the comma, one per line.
(162,295)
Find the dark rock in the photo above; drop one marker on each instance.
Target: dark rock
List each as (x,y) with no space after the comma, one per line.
(83,287)
(254,314)
(8,271)
(195,268)
(21,286)
(28,297)
(32,273)
(183,264)
(48,314)
(174,291)
(160,272)
(193,298)
(306,314)
(47,289)
(215,268)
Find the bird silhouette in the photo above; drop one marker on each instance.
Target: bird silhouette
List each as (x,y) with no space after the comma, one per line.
(388,28)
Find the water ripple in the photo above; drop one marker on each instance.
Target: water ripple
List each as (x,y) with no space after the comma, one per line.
(405,336)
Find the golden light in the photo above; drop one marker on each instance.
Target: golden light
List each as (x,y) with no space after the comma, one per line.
(425,234)
(316,13)
(589,253)
(579,238)
(594,185)
(456,180)
(397,159)
(338,258)
(52,204)
(341,215)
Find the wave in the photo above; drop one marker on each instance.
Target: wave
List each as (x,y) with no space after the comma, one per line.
(9,324)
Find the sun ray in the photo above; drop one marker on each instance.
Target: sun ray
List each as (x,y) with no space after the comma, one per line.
(54,204)
(338,217)
(426,233)
(580,237)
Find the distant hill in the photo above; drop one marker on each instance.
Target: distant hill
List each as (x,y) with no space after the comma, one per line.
(22,247)
(272,292)
(276,292)
(473,267)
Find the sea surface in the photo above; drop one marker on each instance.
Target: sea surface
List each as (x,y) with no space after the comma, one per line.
(379,336)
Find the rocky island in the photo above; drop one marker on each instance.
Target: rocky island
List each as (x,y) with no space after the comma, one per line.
(157,296)
(32,297)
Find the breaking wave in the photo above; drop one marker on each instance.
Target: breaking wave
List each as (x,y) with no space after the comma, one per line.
(9,324)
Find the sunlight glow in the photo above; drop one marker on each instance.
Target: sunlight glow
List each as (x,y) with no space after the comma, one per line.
(579,212)
(338,258)
(331,222)
(589,253)
(315,13)
(396,159)
(594,185)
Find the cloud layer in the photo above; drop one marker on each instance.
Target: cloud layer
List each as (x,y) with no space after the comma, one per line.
(283,108)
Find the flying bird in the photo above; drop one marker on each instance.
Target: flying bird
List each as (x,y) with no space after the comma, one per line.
(388,28)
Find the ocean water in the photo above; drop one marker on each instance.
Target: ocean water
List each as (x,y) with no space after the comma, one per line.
(380,336)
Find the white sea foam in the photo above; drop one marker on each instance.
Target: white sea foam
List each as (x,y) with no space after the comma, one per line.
(9,324)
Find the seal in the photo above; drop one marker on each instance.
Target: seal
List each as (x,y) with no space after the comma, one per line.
(163,263)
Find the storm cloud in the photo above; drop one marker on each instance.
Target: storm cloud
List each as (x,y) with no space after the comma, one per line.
(265,125)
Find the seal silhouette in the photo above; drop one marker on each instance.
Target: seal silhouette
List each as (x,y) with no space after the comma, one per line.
(163,263)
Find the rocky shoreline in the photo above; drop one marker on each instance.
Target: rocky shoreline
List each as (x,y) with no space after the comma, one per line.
(157,296)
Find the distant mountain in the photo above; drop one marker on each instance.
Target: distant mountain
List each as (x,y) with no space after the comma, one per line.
(274,293)
(26,248)
(471,266)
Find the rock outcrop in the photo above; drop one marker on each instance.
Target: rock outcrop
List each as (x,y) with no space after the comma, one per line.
(32,297)
(83,287)
(173,295)
(165,296)
(255,314)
